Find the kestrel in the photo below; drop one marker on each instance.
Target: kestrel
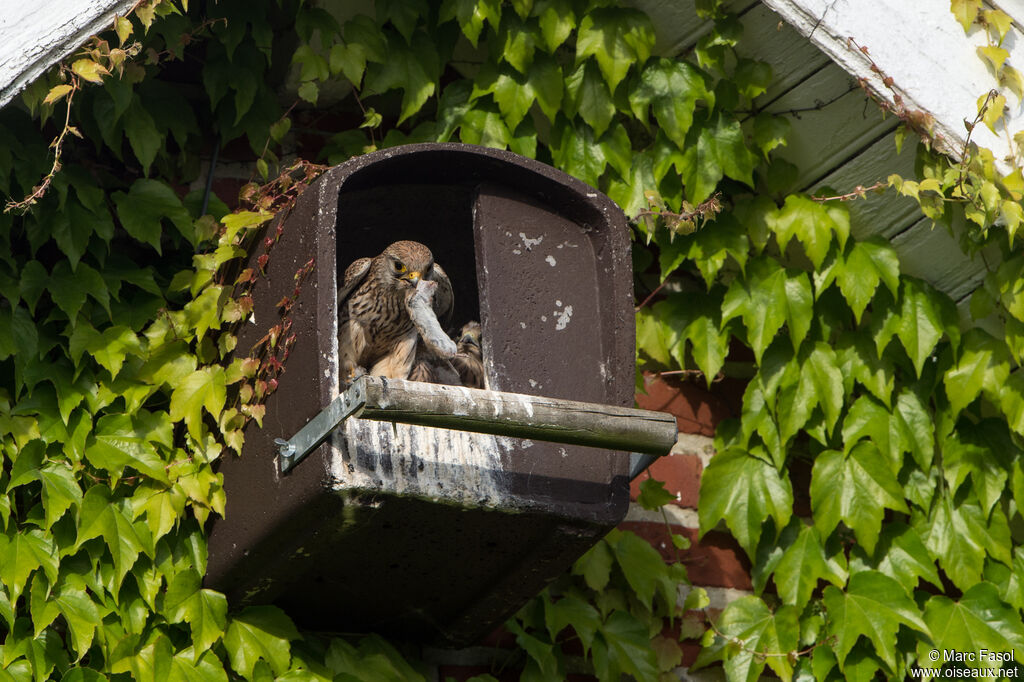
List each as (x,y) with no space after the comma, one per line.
(468,361)
(375,331)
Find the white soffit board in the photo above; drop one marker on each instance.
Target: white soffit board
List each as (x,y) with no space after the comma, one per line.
(921,46)
(36,34)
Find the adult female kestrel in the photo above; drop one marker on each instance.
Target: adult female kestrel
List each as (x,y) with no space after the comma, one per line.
(375,332)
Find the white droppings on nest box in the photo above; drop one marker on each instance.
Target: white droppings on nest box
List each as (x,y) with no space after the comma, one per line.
(459,466)
(517,252)
(526,443)
(530,242)
(522,325)
(563,316)
(551,260)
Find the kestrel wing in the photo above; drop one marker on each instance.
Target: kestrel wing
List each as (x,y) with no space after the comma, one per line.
(354,276)
(444,299)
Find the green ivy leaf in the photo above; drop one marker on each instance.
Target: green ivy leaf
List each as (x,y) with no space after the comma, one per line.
(595,566)
(616,38)
(117,442)
(471,15)
(743,491)
(408,69)
(672,88)
(69,289)
(60,491)
(81,614)
(653,495)
(802,565)
(643,568)
(143,208)
(557,21)
(589,97)
(760,298)
(865,265)
(874,606)
(260,633)
(571,610)
(205,387)
(770,132)
(763,637)
(101,516)
(21,553)
(983,363)
(853,489)
(958,535)
(623,646)
(920,322)
(901,555)
(980,621)
(714,148)
(204,610)
(143,136)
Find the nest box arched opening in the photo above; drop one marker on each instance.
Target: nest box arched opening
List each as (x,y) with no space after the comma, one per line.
(402,526)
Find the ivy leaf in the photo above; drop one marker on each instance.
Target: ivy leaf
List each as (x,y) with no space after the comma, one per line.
(653,495)
(60,491)
(519,42)
(260,632)
(406,69)
(984,363)
(958,535)
(770,132)
(743,491)
(145,205)
(916,427)
(588,96)
(557,21)
(979,450)
(980,621)
(204,610)
(902,556)
(854,489)
(100,516)
(143,136)
(571,610)
(760,298)
(965,11)
(920,323)
(623,646)
(21,554)
(709,343)
(810,222)
(471,15)
(116,443)
(763,637)
(595,566)
(874,606)
(80,613)
(671,87)
(69,289)
(865,265)
(616,38)
(714,148)
(643,567)
(205,387)
(802,565)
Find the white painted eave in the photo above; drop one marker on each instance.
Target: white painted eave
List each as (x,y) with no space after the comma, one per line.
(919,44)
(36,34)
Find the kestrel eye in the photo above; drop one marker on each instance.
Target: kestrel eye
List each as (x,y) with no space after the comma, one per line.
(400,268)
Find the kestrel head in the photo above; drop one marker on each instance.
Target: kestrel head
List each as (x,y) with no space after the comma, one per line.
(407,262)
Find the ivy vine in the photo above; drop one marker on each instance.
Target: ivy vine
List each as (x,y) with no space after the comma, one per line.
(870,396)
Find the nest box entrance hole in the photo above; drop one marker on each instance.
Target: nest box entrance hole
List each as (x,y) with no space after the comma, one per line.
(439,216)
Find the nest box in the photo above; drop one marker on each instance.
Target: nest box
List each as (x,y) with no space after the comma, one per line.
(435,512)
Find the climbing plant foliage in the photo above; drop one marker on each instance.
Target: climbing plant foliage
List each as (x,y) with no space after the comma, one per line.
(898,416)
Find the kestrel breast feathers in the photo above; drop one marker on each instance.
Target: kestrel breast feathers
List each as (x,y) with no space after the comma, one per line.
(375,331)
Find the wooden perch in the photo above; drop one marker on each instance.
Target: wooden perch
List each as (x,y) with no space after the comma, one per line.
(519,416)
(504,414)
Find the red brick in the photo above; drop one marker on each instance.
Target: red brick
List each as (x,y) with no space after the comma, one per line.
(696,409)
(714,561)
(679,473)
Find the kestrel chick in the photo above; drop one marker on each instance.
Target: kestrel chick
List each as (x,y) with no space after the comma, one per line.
(468,361)
(375,332)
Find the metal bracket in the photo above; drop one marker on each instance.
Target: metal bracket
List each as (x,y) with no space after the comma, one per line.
(313,434)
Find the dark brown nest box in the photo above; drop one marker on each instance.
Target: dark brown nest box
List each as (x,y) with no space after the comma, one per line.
(417,531)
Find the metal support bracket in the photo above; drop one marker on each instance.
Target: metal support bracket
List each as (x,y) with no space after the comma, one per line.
(318,429)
